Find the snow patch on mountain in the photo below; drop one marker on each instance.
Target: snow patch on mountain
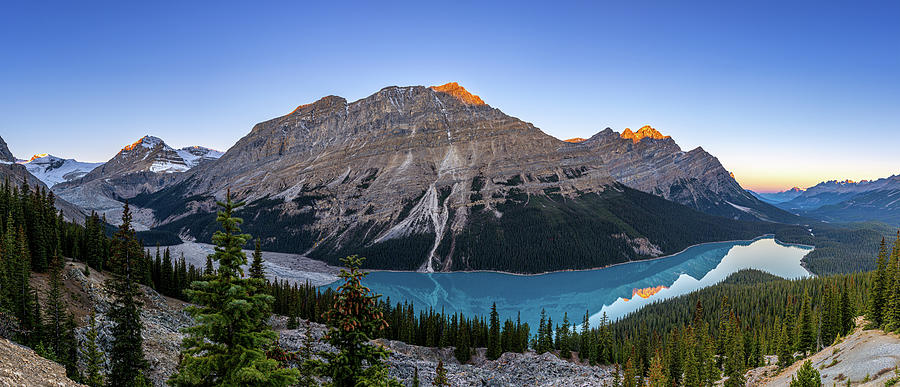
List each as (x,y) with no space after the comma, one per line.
(52,170)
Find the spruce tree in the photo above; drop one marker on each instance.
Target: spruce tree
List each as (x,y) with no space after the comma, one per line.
(229,343)
(877,299)
(462,351)
(563,337)
(493,349)
(806,331)
(256,268)
(657,374)
(55,311)
(354,319)
(307,366)
(585,346)
(126,355)
(440,375)
(785,347)
(807,376)
(892,282)
(92,355)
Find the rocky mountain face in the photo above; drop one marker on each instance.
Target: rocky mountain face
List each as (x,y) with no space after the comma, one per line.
(429,179)
(5,154)
(147,165)
(651,162)
(17,174)
(53,170)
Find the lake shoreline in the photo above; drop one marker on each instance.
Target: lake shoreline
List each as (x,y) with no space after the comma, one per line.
(763,236)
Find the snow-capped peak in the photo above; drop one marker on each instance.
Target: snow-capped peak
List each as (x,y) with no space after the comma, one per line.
(148,142)
(194,155)
(53,170)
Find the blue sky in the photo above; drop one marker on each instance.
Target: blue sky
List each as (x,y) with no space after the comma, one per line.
(783,93)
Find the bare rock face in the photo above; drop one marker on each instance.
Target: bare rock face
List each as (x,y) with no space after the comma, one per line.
(651,162)
(5,154)
(21,366)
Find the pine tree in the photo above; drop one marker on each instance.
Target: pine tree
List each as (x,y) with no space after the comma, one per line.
(415,381)
(877,299)
(585,346)
(692,367)
(55,311)
(126,354)
(307,366)
(657,375)
(785,347)
(630,377)
(353,320)
(166,274)
(847,315)
(256,268)
(93,356)
(806,332)
(462,351)
(440,376)
(229,343)
(493,349)
(807,376)
(892,281)
(563,337)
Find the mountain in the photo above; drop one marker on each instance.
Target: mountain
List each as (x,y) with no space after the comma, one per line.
(779,197)
(147,165)
(835,191)
(53,170)
(5,155)
(17,174)
(651,162)
(432,179)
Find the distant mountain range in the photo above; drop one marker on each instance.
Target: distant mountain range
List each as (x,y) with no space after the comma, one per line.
(778,197)
(844,201)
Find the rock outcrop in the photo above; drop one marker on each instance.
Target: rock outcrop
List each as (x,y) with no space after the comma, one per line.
(651,162)
(21,366)
(5,154)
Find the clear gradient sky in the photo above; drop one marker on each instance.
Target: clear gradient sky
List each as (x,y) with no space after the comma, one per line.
(783,93)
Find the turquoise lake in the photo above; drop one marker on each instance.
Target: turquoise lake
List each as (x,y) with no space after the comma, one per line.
(616,290)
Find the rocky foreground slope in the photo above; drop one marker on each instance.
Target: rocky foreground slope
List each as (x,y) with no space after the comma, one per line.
(21,366)
(864,358)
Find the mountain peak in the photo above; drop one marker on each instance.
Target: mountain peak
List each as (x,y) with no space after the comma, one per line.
(459,92)
(148,141)
(38,156)
(644,132)
(576,140)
